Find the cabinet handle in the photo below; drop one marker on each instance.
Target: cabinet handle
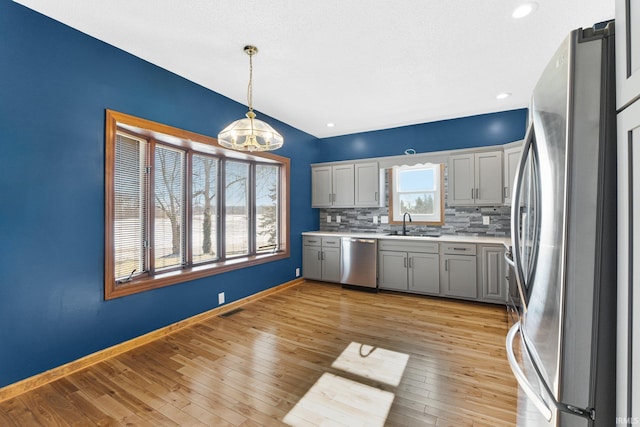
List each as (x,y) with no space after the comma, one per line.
(405,262)
(472,192)
(477,193)
(459,249)
(446,265)
(505,193)
(375,196)
(410,262)
(322,255)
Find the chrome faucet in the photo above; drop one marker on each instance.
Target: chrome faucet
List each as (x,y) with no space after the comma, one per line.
(404,223)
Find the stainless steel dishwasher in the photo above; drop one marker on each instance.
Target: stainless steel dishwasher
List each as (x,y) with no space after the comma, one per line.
(359,262)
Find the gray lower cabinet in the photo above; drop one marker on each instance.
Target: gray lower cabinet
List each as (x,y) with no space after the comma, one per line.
(393,270)
(408,266)
(424,273)
(492,271)
(321,258)
(458,270)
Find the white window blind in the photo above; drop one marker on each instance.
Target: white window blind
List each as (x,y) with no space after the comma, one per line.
(169,241)
(267,197)
(130,206)
(236,208)
(204,208)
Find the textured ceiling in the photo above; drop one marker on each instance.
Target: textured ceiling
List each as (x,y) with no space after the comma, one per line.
(361,64)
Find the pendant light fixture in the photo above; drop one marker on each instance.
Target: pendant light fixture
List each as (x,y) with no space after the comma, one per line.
(250,134)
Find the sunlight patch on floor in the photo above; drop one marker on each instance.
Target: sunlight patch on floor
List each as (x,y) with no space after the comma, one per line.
(337,401)
(373,363)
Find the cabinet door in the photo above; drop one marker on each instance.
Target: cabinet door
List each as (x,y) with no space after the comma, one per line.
(393,270)
(627,51)
(321,186)
(311,262)
(330,264)
(458,276)
(343,185)
(367,184)
(511,161)
(488,178)
(628,254)
(461,180)
(492,274)
(424,273)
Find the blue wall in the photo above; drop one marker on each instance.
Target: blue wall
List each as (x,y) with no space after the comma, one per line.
(55,84)
(474,131)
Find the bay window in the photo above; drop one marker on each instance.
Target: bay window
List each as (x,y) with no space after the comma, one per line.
(180,207)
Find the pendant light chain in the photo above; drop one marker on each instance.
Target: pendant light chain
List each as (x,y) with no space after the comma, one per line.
(250,87)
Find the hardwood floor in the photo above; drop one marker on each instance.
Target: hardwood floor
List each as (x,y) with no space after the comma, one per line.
(311,354)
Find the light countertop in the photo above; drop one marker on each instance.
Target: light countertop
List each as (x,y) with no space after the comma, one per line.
(506,241)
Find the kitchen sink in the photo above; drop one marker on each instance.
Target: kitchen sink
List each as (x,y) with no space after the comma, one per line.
(432,235)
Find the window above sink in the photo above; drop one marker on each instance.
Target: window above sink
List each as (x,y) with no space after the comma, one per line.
(417,190)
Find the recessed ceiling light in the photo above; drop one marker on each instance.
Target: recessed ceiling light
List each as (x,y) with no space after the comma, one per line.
(524,9)
(330,125)
(503,95)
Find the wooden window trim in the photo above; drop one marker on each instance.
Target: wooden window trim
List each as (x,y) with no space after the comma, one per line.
(203,144)
(426,223)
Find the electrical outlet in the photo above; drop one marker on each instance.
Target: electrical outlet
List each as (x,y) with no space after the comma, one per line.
(384,219)
(375,219)
(486,220)
(328,218)
(298,272)
(338,218)
(221,298)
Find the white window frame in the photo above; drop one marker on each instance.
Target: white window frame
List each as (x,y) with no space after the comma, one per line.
(437,218)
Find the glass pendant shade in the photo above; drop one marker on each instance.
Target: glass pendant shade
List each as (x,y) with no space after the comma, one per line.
(250,134)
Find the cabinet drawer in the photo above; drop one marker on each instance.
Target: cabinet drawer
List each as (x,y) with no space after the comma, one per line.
(408,246)
(331,242)
(458,248)
(311,240)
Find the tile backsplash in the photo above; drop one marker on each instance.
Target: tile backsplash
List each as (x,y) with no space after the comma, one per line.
(458,220)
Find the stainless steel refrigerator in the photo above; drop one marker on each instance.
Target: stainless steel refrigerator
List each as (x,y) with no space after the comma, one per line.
(562,348)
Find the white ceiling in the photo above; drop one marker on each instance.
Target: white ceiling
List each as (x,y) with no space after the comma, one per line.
(361,64)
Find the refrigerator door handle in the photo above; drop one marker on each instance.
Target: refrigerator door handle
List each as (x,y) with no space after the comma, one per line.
(536,398)
(515,213)
(509,259)
(521,377)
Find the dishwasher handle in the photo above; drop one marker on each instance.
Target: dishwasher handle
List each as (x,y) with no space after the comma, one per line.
(356,240)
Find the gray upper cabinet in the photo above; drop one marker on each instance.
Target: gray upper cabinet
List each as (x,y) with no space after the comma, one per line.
(367,184)
(345,185)
(461,180)
(488,176)
(321,188)
(332,186)
(475,179)
(627,52)
(511,162)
